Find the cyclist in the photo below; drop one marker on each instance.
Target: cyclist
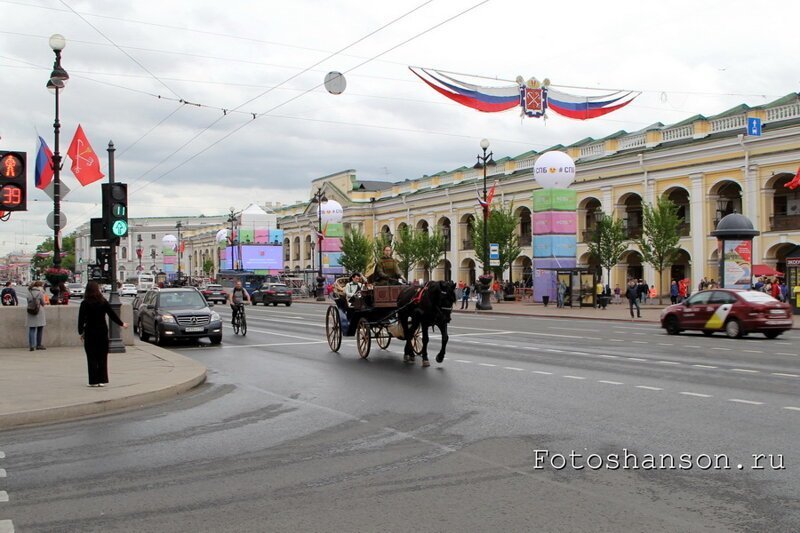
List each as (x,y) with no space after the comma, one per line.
(238,297)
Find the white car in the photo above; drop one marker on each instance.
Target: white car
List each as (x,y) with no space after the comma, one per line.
(76,290)
(128,289)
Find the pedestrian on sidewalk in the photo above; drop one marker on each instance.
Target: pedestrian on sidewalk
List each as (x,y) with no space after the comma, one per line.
(465,297)
(633,298)
(93,329)
(673,292)
(36,321)
(8,295)
(562,291)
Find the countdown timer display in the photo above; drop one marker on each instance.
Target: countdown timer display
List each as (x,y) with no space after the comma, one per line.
(12,181)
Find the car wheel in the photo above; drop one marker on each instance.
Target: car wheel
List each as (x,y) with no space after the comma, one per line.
(671,325)
(708,332)
(733,328)
(157,340)
(142,335)
(288,304)
(216,339)
(275,304)
(772,334)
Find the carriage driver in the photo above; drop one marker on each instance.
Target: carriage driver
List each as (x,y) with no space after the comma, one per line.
(387,271)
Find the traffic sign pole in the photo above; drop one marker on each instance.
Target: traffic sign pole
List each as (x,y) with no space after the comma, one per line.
(115,344)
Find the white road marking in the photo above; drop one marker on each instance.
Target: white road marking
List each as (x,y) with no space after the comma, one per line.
(697,394)
(722,349)
(692,346)
(752,351)
(705,366)
(462,361)
(645,387)
(6,526)
(748,402)
(578,353)
(514,368)
(607,356)
(541,372)
(610,382)
(668,362)
(486,364)
(573,329)
(665,344)
(508,346)
(640,342)
(486,332)
(785,375)
(784,353)
(616,340)
(744,370)
(553,350)
(2,455)
(2,472)
(230,346)
(3,496)
(789,407)
(574,377)
(635,359)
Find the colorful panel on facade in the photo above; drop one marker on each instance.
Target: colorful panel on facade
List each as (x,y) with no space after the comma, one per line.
(555,200)
(554,246)
(559,222)
(333,229)
(261,236)
(331,244)
(247,236)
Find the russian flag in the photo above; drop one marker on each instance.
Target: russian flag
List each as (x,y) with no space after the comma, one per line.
(44,165)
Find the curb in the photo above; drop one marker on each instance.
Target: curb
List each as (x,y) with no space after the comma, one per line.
(62,413)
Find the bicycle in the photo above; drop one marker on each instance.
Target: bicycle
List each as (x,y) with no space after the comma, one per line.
(239,320)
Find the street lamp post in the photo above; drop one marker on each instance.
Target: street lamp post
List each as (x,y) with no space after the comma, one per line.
(56,83)
(319,199)
(446,235)
(139,251)
(232,220)
(484,303)
(178,226)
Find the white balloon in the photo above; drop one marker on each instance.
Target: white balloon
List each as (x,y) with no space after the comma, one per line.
(335,82)
(169,240)
(332,212)
(222,235)
(554,170)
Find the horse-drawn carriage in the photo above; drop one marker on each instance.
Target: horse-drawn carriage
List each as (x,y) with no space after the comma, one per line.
(373,314)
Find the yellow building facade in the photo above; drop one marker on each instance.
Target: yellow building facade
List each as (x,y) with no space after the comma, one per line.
(708,166)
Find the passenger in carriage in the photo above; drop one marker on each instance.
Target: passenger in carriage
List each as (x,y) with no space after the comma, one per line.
(352,290)
(387,270)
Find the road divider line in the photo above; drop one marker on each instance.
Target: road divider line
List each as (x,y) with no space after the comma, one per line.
(616,340)
(722,349)
(578,353)
(486,364)
(783,375)
(514,368)
(752,351)
(665,344)
(6,526)
(640,342)
(696,394)
(784,353)
(573,377)
(461,361)
(541,372)
(668,362)
(748,402)
(635,359)
(607,356)
(791,408)
(608,382)
(705,366)
(3,496)
(745,370)
(2,472)
(691,346)
(645,387)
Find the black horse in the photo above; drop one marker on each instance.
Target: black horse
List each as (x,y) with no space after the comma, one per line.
(431,307)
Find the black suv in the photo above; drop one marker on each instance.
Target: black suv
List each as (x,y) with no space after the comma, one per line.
(272,293)
(178,313)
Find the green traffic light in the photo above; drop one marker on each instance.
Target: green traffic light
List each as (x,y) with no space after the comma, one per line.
(120,228)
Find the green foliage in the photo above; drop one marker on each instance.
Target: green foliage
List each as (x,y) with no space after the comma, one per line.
(208,266)
(405,249)
(429,250)
(357,251)
(608,242)
(40,264)
(660,238)
(500,228)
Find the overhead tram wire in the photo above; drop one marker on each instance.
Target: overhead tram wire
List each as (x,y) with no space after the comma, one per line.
(235,130)
(95,28)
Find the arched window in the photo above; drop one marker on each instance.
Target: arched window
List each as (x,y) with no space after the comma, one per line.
(124,252)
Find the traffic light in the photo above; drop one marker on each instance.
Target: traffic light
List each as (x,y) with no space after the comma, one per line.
(13,185)
(115,210)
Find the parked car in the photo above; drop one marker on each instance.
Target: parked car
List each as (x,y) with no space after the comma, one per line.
(272,293)
(215,293)
(128,289)
(178,313)
(135,304)
(736,312)
(76,290)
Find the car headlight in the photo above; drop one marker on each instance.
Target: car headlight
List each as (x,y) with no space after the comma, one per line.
(214,316)
(169,319)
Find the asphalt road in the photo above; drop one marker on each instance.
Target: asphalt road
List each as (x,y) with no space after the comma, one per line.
(287,436)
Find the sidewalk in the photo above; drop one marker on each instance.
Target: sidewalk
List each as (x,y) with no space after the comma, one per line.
(50,385)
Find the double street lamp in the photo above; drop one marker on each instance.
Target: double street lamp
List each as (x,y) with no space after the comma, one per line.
(56,83)
(178,227)
(319,198)
(232,221)
(485,160)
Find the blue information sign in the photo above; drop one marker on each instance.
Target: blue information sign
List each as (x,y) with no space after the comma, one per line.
(754,127)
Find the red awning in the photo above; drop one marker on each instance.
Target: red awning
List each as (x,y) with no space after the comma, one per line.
(765,270)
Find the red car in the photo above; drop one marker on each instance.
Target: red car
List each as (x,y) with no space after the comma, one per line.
(736,312)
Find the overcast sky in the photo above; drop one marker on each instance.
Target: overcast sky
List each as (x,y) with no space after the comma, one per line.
(180,159)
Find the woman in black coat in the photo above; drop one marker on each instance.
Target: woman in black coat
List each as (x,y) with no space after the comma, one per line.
(93,329)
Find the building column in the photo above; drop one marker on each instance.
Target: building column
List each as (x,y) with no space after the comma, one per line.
(750,205)
(697,221)
(607,202)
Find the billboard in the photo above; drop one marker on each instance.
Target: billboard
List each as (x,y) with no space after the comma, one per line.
(737,269)
(255,257)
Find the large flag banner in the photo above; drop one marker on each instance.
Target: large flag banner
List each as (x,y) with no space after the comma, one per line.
(85,163)
(44,164)
(795,182)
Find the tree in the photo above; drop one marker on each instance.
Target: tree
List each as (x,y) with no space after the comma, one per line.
(42,262)
(659,240)
(430,248)
(357,251)
(405,248)
(500,229)
(608,242)
(208,266)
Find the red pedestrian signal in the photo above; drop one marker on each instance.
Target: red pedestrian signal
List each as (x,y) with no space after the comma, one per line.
(13,186)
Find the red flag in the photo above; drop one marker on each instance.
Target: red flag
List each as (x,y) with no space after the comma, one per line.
(490,196)
(85,163)
(183,246)
(795,183)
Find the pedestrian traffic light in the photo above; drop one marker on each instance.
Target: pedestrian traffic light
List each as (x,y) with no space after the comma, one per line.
(115,210)
(13,183)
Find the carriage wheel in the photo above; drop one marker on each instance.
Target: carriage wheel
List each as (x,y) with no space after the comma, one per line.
(363,339)
(333,329)
(384,338)
(416,341)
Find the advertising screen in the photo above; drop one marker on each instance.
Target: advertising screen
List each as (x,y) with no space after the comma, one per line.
(738,267)
(255,257)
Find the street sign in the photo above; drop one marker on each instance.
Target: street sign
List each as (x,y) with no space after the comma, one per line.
(754,126)
(494,262)
(51,220)
(494,254)
(63,190)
